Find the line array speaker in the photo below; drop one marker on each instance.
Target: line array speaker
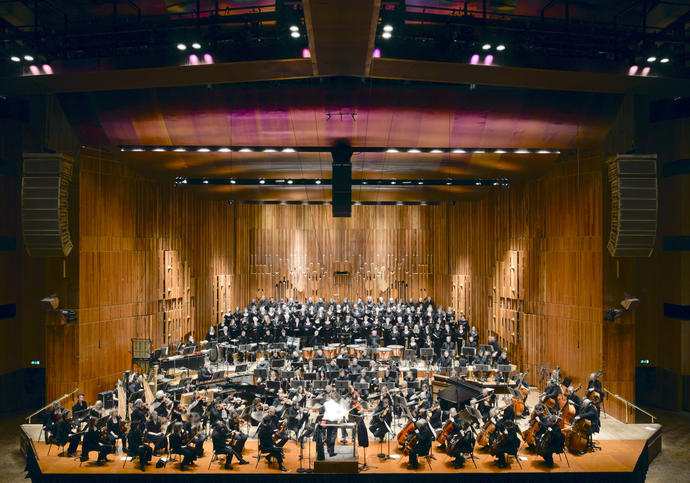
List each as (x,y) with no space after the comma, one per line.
(634,205)
(45,204)
(342,180)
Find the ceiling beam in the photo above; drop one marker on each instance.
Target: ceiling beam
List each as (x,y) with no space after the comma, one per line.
(341,38)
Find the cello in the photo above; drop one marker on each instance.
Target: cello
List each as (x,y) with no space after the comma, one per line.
(405,433)
(519,402)
(447,429)
(577,440)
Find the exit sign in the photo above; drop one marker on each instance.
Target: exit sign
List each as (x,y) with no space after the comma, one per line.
(644,361)
(35,363)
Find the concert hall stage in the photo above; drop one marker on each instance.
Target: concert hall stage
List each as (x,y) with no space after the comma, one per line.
(619,460)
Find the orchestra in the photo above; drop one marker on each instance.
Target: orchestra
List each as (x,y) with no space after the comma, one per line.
(316,367)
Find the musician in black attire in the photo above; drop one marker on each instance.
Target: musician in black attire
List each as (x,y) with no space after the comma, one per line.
(114,431)
(461,441)
(266,444)
(509,446)
(50,420)
(549,439)
(138,414)
(64,433)
(92,442)
(205,373)
(234,426)
(424,438)
(79,406)
(177,446)
(219,436)
(382,414)
(155,434)
(588,411)
(137,447)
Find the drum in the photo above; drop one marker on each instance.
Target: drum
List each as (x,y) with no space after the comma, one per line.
(330,351)
(339,348)
(360,350)
(396,351)
(352,350)
(308,352)
(383,354)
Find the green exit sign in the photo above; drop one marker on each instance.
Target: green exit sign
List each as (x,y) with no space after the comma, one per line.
(644,361)
(35,363)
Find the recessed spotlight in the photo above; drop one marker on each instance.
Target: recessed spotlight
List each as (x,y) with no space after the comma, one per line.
(232,181)
(388,28)
(294,28)
(479,151)
(181,46)
(196,45)
(651,58)
(203,150)
(413,150)
(449,182)
(205,181)
(499,151)
(158,150)
(500,47)
(224,150)
(179,150)
(522,151)
(459,151)
(495,183)
(386,35)
(364,182)
(262,181)
(288,150)
(29,58)
(245,150)
(14,58)
(294,35)
(269,150)
(420,182)
(357,203)
(543,151)
(184,181)
(289,181)
(391,150)
(478,183)
(399,203)
(665,60)
(137,149)
(436,151)
(393,181)
(486,46)
(318,181)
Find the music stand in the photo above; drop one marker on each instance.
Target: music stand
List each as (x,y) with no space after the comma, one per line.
(343,363)
(504,370)
(486,348)
(410,355)
(295,384)
(274,385)
(341,386)
(365,363)
(319,362)
(277,363)
(320,384)
(261,373)
(359,386)
(427,353)
(469,351)
(445,370)
(240,368)
(387,385)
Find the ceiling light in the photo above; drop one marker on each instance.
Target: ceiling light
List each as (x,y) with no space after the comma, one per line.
(449,182)
(474,59)
(420,182)
(646,70)
(294,28)
(205,181)
(479,151)
(486,46)
(543,151)
(399,203)
(478,183)
(651,58)
(245,150)
(391,150)
(269,150)
(665,60)
(499,151)
(459,151)
(387,28)
(318,181)
(522,151)
(364,182)
(184,181)
(158,150)
(288,150)
(14,58)
(386,35)
(377,53)
(196,45)
(203,150)
(137,149)
(393,181)
(632,70)
(179,150)
(357,203)
(181,47)
(413,150)
(262,181)
(294,35)
(489,59)
(500,47)
(29,58)
(436,151)
(232,181)
(34,69)
(47,69)
(289,181)
(224,150)
(495,183)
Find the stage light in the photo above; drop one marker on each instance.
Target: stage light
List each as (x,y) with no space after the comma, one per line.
(194,59)
(459,151)
(413,150)
(399,203)
(47,69)
(196,45)
(495,183)
(479,151)
(208,59)
(29,58)
(34,70)
(646,70)
(158,150)
(377,53)
(288,150)
(245,150)
(478,183)
(420,182)
(294,28)
(181,47)
(521,151)
(449,182)
(543,151)
(651,58)
(269,150)
(500,47)
(203,150)
(14,58)
(224,150)
(289,181)
(474,60)
(489,59)
(364,182)
(386,35)
(436,151)
(262,181)
(387,28)
(306,54)
(486,47)
(179,150)
(318,181)
(205,181)
(392,181)
(665,60)
(232,181)
(391,150)
(294,35)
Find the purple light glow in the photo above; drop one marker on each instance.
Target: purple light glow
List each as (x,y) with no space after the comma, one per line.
(208,59)
(646,70)
(47,69)
(194,59)
(489,59)
(475,59)
(377,53)
(305,53)
(632,70)
(34,70)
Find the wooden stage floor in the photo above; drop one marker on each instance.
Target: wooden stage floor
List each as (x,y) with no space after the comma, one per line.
(617,460)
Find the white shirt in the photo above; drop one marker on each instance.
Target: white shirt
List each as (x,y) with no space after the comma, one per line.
(333,411)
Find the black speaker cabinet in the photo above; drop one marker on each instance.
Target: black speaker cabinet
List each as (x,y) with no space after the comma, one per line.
(634,205)
(338,466)
(45,204)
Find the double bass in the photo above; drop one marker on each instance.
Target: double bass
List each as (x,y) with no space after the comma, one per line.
(576,440)
(519,402)
(595,397)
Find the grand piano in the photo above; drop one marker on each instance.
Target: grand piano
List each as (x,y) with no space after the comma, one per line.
(457,394)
